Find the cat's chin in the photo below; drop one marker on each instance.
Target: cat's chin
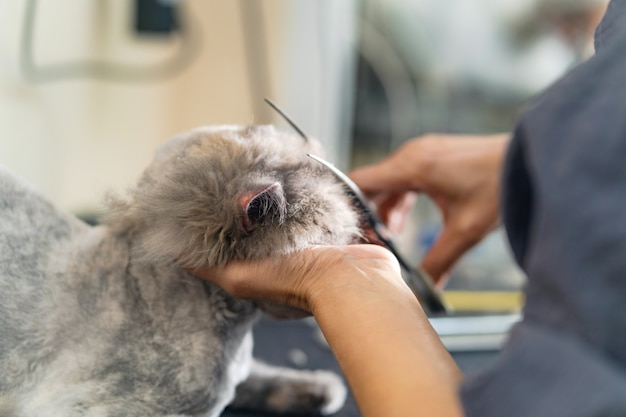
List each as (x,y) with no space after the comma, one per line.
(281,311)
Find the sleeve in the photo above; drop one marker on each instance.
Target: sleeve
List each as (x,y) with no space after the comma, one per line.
(564,209)
(611,24)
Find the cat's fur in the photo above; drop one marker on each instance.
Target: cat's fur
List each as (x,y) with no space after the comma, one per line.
(103,321)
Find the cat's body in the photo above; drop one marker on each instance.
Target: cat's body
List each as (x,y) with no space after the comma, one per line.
(103,321)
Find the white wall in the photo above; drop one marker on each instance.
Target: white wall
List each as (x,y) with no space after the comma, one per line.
(77,138)
(320,64)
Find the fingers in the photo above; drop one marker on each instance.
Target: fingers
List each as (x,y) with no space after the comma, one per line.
(441,257)
(233,277)
(445,252)
(394,209)
(391,174)
(248,280)
(281,280)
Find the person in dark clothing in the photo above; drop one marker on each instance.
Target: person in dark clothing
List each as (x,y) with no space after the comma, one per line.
(562,181)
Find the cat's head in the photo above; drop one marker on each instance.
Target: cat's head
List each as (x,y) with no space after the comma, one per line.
(230,192)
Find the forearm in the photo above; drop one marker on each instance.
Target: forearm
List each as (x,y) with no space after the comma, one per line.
(391,356)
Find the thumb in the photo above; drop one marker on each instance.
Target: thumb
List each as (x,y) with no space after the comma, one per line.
(445,252)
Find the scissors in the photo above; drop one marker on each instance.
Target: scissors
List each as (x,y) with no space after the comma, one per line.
(417,279)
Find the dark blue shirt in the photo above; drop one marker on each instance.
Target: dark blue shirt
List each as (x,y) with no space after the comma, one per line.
(564,210)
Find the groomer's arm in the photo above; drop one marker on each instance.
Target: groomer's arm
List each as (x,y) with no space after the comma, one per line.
(394,361)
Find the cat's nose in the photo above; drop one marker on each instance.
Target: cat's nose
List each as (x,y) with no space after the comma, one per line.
(264,206)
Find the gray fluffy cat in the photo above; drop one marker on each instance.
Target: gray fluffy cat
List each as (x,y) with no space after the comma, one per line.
(103,321)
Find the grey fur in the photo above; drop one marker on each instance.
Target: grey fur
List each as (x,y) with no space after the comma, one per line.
(102,321)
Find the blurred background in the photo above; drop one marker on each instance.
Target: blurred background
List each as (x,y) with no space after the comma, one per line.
(90,88)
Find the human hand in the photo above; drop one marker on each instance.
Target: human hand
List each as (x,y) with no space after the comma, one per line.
(371,320)
(461,174)
(296,285)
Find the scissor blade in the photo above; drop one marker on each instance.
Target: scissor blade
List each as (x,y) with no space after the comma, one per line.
(354,189)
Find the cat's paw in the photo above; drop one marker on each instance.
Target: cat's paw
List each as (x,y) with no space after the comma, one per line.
(334,391)
(283,390)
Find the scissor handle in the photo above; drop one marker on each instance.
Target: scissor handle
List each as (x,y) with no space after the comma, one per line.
(418,281)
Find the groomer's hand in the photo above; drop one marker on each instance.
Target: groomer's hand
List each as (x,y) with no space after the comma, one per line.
(389,353)
(293,286)
(462,176)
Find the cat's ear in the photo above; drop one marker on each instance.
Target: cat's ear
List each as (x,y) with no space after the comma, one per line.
(264,206)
